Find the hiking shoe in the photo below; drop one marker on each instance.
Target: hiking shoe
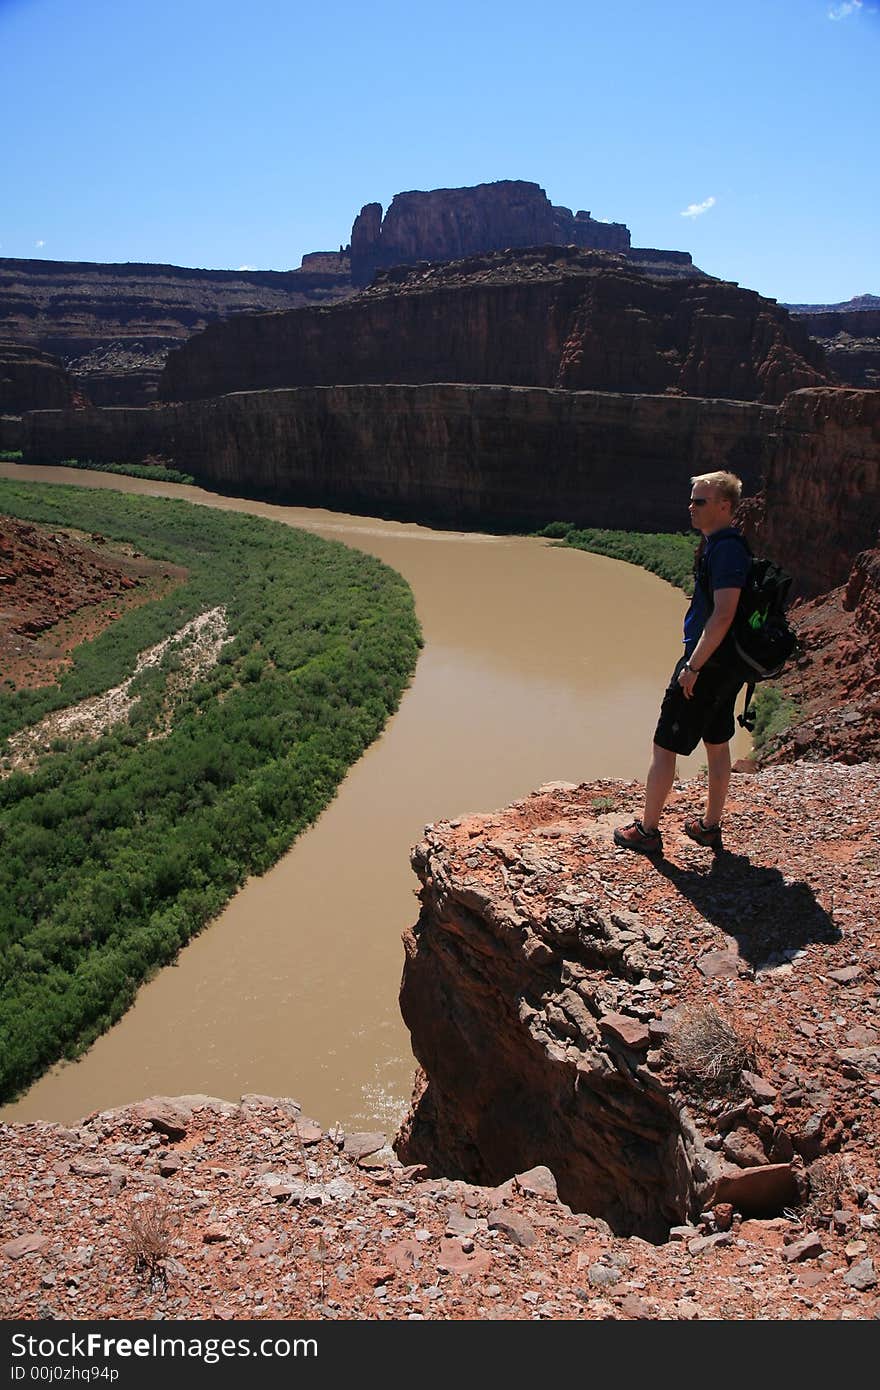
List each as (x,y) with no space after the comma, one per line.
(702,834)
(635,836)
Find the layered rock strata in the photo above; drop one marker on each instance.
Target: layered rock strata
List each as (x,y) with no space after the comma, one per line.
(551,316)
(85,311)
(850,340)
(552,982)
(849,335)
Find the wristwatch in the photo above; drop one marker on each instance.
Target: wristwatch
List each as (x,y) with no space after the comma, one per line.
(693,670)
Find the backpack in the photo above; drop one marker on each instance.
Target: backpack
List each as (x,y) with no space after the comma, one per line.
(760,642)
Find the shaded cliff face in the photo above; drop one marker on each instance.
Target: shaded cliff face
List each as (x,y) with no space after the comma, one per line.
(551,981)
(113,324)
(849,335)
(32,380)
(545,317)
(517,456)
(457,455)
(446,224)
(822,486)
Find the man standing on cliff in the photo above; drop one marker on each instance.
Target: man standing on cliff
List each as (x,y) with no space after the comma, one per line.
(698,703)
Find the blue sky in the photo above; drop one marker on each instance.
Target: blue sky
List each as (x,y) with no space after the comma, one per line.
(207,133)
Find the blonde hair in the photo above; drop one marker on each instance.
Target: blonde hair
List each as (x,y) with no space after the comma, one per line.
(727,485)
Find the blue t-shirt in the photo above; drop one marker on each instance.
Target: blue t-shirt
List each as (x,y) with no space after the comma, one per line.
(725,565)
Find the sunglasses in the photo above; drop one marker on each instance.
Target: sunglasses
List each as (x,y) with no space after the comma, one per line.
(698,501)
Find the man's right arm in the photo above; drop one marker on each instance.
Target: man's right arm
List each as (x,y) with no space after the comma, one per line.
(716,629)
(713,634)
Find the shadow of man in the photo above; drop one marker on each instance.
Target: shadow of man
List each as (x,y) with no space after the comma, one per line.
(770,917)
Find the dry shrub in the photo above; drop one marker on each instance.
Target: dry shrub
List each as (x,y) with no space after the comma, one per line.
(708,1053)
(147,1233)
(829,1180)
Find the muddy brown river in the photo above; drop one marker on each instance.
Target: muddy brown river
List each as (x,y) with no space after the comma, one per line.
(540,664)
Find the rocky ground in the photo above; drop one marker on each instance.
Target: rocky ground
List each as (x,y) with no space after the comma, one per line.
(191,1208)
(834,687)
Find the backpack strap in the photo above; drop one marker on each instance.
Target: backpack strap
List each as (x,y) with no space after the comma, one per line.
(701,568)
(747,718)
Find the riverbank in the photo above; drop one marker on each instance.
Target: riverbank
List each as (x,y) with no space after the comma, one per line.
(179,750)
(306,958)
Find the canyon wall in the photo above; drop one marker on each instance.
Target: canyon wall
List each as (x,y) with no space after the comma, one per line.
(454,454)
(849,336)
(822,485)
(113,324)
(32,380)
(558,317)
(517,456)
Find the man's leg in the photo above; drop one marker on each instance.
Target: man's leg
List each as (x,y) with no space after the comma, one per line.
(658,785)
(718,762)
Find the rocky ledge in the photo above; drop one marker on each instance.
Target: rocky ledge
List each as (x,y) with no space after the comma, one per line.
(665,1035)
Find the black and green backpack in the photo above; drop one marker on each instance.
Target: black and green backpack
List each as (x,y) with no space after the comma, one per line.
(761,641)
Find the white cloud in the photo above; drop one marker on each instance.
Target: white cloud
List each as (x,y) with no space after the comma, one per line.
(39,243)
(697,209)
(247,267)
(845,10)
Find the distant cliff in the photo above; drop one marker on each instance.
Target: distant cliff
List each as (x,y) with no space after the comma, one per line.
(113,324)
(32,380)
(546,316)
(447,224)
(849,335)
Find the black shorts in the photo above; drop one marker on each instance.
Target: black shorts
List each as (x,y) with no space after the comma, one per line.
(707,715)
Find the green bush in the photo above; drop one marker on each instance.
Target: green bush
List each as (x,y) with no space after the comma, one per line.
(669,555)
(774,713)
(155,472)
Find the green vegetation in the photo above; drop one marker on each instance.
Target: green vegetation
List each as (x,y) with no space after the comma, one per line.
(10,455)
(156,472)
(117,849)
(669,555)
(774,713)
